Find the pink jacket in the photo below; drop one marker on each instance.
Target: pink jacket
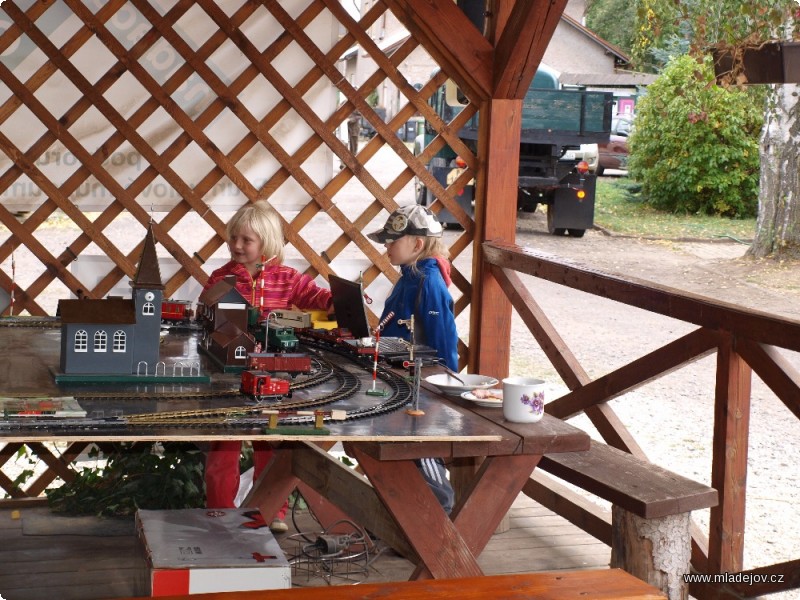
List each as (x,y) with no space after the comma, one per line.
(275,287)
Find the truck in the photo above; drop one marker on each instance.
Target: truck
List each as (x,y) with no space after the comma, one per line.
(556,123)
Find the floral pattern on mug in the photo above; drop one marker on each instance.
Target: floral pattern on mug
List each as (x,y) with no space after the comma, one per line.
(536,403)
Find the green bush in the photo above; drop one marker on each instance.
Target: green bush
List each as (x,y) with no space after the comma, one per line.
(695,145)
(153,477)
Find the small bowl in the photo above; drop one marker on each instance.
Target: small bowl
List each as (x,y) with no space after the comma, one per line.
(451,386)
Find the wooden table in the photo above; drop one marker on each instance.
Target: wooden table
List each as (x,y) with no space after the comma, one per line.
(393,501)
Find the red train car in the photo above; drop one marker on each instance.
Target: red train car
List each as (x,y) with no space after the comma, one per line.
(260,384)
(279,362)
(176,311)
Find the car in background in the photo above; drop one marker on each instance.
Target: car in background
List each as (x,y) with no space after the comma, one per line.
(588,152)
(614,154)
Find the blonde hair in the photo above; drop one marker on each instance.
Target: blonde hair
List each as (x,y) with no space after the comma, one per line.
(265,222)
(433,248)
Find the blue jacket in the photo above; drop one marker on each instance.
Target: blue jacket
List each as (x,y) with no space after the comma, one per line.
(423,292)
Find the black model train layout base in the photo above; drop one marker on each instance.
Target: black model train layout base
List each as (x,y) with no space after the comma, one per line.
(107,378)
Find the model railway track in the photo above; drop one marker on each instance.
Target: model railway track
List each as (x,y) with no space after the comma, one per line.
(246,417)
(349,384)
(321,371)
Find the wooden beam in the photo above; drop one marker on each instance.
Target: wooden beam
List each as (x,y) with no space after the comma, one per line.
(573,506)
(543,330)
(598,584)
(729,460)
(774,370)
(522,45)
(351,492)
(412,504)
(685,306)
(490,315)
(452,40)
(662,361)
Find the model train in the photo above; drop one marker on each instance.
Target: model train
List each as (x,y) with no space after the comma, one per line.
(335,336)
(292,363)
(261,384)
(176,311)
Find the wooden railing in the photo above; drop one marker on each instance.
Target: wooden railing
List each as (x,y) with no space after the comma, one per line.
(744,340)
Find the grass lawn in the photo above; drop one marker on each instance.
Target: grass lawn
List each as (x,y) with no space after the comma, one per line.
(620,210)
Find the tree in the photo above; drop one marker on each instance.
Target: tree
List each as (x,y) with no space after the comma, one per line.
(695,145)
(778,223)
(614,21)
(699,24)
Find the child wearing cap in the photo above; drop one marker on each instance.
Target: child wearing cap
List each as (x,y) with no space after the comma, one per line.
(413,239)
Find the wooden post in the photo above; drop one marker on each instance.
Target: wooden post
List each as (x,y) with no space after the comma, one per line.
(656,550)
(729,462)
(495,219)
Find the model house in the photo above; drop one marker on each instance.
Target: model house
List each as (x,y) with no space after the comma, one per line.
(224,314)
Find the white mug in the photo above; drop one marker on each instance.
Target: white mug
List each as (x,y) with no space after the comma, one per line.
(523,399)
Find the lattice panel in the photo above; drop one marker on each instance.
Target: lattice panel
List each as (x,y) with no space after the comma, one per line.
(115,113)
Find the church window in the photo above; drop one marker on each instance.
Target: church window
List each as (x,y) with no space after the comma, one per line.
(100,341)
(120,341)
(148,308)
(81,341)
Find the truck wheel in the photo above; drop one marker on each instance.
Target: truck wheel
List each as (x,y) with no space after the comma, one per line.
(526,202)
(576,232)
(550,228)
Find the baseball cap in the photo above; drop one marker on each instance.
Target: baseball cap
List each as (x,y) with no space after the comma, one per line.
(408,220)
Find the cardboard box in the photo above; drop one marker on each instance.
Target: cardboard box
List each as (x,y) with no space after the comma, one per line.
(197,551)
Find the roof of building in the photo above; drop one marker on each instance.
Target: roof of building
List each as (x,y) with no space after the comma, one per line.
(148,274)
(612,48)
(228,333)
(109,311)
(617,79)
(222,291)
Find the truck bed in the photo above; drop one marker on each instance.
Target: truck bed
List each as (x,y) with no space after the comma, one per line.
(561,118)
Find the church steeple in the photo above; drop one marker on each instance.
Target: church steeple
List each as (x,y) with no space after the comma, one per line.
(148,273)
(148,294)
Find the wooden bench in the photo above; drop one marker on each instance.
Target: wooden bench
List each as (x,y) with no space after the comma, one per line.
(650,528)
(602,584)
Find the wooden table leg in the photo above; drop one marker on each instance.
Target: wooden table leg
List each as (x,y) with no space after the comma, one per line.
(434,537)
(496,485)
(274,485)
(486,500)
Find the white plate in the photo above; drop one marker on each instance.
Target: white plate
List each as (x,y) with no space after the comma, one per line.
(487,402)
(451,386)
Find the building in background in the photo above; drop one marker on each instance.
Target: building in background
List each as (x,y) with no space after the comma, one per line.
(580,57)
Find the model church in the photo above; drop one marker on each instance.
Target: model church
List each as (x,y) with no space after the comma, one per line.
(116,335)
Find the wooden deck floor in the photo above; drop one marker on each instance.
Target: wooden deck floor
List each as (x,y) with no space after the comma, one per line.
(44,557)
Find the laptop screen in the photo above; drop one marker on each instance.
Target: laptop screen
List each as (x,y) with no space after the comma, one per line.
(348,304)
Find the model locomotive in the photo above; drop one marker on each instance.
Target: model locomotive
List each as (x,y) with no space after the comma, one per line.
(261,384)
